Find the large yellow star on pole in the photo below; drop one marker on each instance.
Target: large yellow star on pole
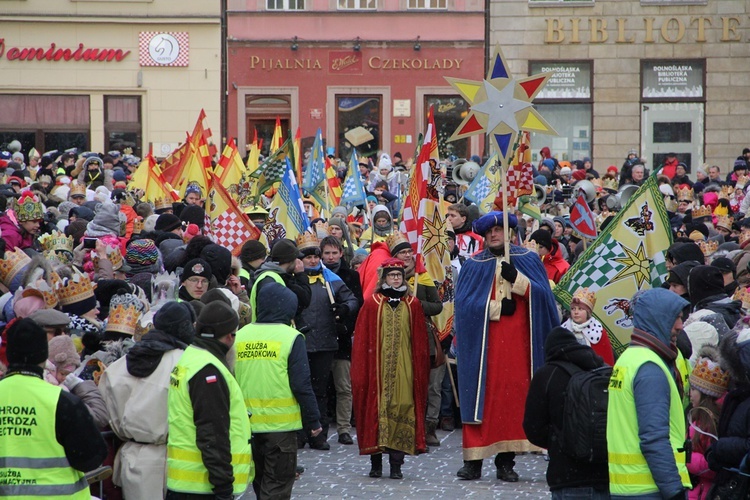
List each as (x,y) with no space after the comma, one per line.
(637,265)
(435,237)
(501,106)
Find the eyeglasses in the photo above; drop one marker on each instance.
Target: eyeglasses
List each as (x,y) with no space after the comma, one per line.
(197,281)
(394,275)
(406,252)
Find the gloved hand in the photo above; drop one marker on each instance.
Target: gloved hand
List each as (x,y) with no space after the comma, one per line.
(508,271)
(508,307)
(340,311)
(710,457)
(71,381)
(679,496)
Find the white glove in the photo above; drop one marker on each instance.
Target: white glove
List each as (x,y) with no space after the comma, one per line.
(71,381)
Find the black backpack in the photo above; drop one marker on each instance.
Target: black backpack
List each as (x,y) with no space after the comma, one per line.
(583,436)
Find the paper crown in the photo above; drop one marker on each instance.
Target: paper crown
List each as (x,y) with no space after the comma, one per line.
(708,247)
(743,295)
(704,211)
(724,221)
(709,378)
(44,178)
(726,192)
(77,189)
(47,292)
(12,264)
(113,255)
(138,225)
(684,193)
(162,203)
(396,240)
(75,289)
(56,241)
(164,287)
(610,184)
(390,264)
(307,240)
(586,297)
(531,245)
(28,207)
(123,318)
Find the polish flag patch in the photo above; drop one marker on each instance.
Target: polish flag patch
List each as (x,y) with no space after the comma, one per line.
(211,379)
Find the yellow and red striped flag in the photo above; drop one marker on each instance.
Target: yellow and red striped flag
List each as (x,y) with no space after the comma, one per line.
(230,168)
(277,139)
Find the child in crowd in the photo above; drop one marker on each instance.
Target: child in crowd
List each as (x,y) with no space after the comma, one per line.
(587,329)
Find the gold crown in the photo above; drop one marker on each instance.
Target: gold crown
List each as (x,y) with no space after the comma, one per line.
(56,241)
(77,189)
(531,245)
(585,296)
(123,318)
(138,225)
(307,240)
(704,211)
(396,239)
(708,247)
(47,292)
(726,192)
(684,193)
(28,207)
(610,184)
(75,289)
(12,264)
(113,255)
(743,295)
(162,203)
(724,221)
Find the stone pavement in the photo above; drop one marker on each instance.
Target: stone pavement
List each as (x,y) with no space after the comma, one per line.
(342,473)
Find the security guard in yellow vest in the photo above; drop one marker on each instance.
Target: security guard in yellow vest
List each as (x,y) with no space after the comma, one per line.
(273,373)
(48,438)
(252,256)
(645,418)
(208,449)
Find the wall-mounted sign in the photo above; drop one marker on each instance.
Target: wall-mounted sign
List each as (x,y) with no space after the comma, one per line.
(571,80)
(163,49)
(344,62)
(401,108)
(55,53)
(672,79)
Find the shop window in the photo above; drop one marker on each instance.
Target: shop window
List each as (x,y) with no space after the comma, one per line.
(566,103)
(428,4)
(45,122)
(261,112)
(359,112)
(358,4)
(285,4)
(122,123)
(450,110)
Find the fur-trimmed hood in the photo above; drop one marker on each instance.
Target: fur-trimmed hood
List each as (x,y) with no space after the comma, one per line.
(734,350)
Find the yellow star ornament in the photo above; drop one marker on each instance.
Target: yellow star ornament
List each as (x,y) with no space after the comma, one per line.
(501,106)
(637,265)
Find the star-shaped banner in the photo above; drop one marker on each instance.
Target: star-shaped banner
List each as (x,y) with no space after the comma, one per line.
(501,106)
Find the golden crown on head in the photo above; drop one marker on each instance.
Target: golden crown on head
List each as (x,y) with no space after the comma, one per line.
(586,296)
(56,241)
(138,225)
(531,245)
(28,207)
(123,318)
(77,189)
(708,247)
(726,192)
(12,264)
(703,211)
(75,289)
(113,255)
(47,292)
(743,295)
(610,184)
(395,239)
(307,239)
(724,221)
(684,194)
(162,203)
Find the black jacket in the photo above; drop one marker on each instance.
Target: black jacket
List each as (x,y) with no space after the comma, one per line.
(352,282)
(297,282)
(733,432)
(544,411)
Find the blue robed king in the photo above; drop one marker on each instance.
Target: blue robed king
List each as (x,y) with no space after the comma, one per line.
(473,294)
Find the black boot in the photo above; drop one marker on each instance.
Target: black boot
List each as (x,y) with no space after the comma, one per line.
(376,465)
(472,469)
(505,470)
(396,471)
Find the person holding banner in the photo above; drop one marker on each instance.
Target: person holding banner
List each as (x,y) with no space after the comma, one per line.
(507,309)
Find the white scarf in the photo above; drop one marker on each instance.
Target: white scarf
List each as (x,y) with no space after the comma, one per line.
(587,333)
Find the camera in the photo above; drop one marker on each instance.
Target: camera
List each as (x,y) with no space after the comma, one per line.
(89,243)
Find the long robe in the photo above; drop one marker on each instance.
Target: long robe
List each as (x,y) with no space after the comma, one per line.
(497,354)
(370,385)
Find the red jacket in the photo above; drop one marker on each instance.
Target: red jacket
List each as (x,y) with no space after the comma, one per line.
(14,235)
(669,168)
(554,264)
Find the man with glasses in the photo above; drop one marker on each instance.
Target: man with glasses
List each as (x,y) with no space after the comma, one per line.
(194,280)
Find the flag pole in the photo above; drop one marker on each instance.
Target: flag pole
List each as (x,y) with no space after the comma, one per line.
(506,235)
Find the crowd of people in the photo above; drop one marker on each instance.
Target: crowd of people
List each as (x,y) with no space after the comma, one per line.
(207,372)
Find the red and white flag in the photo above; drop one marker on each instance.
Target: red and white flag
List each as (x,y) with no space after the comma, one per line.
(582,218)
(230,227)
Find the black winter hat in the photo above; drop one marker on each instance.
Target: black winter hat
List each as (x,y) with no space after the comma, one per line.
(216,320)
(679,273)
(725,265)
(252,250)
(26,343)
(176,319)
(196,267)
(194,214)
(284,251)
(167,222)
(558,338)
(703,282)
(220,260)
(543,238)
